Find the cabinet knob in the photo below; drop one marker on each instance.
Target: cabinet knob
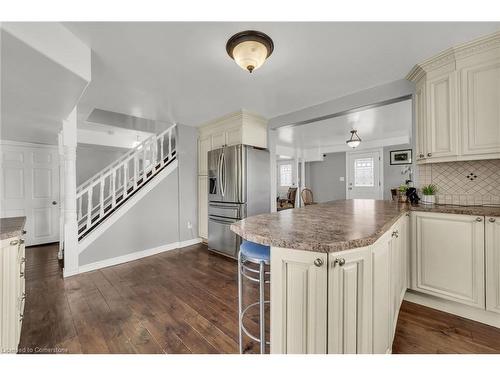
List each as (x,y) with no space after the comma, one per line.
(421,156)
(491,219)
(318,262)
(395,234)
(14,242)
(429,154)
(24,232)
(339,261)
(479,219)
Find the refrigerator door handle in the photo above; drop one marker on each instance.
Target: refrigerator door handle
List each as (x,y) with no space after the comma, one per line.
(219,182)
(223,169)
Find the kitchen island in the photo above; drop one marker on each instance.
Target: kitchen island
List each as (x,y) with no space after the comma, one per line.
(340,270)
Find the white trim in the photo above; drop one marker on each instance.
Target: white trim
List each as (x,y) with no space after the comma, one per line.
(6,142)
(454,308)
(115,216)
(380,172)
(132,256)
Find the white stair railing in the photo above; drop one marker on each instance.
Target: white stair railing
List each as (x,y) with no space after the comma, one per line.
(100,194)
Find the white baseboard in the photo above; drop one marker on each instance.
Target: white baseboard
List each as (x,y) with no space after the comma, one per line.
(455,308)
(132,256)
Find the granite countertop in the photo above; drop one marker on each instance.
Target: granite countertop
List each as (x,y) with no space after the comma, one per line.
(12,227)
(337,225)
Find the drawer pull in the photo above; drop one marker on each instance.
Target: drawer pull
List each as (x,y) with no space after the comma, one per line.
(21,274)
(318,262)
(21,317)
(395,234)
(479,219)
(21,241)
(429,154)
(23,232)
(492,220)
(14,243)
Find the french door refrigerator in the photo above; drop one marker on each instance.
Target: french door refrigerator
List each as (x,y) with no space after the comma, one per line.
(238,187)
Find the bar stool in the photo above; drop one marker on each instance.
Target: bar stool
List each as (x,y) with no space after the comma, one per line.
(255,254)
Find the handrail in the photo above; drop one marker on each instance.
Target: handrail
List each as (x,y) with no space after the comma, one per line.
(121,178)
(121,159)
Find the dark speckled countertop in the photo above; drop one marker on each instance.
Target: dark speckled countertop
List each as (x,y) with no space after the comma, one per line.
(12,227)
(337,225)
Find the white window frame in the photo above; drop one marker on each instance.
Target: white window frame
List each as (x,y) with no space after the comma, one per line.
(381,170)
(291,174)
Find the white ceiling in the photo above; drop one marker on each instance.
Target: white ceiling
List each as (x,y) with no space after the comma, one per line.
(386,125)
(171,71)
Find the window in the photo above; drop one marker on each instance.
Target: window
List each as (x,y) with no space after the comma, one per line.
(285,175)
(363,172)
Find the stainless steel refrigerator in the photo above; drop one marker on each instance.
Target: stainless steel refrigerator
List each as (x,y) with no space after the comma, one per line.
(238,187)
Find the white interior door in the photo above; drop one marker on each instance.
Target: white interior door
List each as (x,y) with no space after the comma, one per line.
(30,187)
(364,179)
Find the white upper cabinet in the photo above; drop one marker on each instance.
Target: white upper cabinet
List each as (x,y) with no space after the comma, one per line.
(441,129)
(457,103)
(448,257)
(204,145)
(480,103)
(493,264)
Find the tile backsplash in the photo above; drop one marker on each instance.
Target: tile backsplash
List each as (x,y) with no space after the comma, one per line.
(463,182)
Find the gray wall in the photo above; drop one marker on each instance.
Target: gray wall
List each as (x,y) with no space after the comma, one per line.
(188,181)
(90,159)
(323,177)
(392,173)
(161,217)
(152,222)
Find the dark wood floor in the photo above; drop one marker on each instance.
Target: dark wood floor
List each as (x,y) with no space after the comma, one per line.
(184,301)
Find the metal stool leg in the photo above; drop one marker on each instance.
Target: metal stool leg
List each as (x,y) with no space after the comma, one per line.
(240,303)
(262,319)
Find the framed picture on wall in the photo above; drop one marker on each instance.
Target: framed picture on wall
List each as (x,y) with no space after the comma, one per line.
(401,157)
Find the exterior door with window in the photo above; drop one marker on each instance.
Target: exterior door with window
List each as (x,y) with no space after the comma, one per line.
(363,175)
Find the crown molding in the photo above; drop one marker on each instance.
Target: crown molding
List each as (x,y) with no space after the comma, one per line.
(238,118)
(452,54)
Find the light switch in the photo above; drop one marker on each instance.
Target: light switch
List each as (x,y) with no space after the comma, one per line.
(342,178)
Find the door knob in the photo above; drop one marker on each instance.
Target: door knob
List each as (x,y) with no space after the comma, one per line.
(492,220)
(318,262)
(54,203)
(479,219)
(339,261)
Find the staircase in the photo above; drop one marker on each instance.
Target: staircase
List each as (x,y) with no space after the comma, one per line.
(105,192)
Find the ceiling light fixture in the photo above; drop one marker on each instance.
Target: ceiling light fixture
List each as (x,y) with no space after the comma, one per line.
(250,49)
(354,141)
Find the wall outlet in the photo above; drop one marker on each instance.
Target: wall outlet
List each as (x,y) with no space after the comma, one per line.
(189,225)
(342,178)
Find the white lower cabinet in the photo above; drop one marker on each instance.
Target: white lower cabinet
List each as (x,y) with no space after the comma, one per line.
(343,302)
(298,301)
(448,257)
(492,237)
(349,302)
(203,206)
(12,293)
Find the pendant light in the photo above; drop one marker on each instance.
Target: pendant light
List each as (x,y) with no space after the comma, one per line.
(354,141)
(250,49)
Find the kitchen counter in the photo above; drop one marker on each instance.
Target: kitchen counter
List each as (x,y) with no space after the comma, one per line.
(337,225)
(12,227)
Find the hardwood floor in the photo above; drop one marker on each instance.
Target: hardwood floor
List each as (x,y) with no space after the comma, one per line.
(184,301)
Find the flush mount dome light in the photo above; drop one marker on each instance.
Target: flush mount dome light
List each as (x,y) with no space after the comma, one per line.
(250,49)
(354,141)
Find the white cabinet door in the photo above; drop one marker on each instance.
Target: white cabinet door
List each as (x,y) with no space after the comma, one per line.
(349,302)
(30,187)
(420,120)
(203,206)
(381,296)
(480,104)
(299,302)
(493,264)
(442,119)
(449,257)
(204,145)
(218,140)
(234,136)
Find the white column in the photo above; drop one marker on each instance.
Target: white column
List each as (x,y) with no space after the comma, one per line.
(302,179)
(70,217)
(272,162)
(61,194)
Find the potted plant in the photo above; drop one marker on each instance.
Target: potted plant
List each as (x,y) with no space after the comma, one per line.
(402,193)
(429,194)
